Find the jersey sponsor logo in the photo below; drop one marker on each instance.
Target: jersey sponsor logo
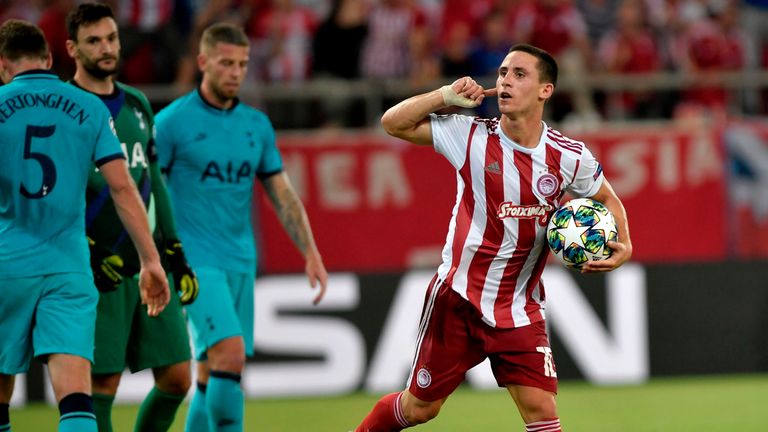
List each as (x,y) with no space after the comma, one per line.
(228,174)
(423,378)
(136,156)
(547,185)
(532,211)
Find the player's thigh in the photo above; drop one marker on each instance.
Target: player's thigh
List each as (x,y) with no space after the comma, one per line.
(17,311)
(212,316)
(114,320)
(159,341)
(446,347)
(242,290)
(66,316)
(522,356)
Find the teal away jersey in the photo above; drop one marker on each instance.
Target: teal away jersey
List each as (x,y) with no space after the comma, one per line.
(212,158)
(51,133)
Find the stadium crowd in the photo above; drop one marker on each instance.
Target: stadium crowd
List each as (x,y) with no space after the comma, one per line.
(421,41)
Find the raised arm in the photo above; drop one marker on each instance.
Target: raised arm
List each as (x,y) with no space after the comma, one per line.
(152,281)
(622,250)
(409,119)
(294,218)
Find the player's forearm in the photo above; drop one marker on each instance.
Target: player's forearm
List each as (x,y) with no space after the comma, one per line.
(406,116)
(133,215)
(291,213)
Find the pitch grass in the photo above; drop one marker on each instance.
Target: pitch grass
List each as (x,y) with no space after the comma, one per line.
(723,403)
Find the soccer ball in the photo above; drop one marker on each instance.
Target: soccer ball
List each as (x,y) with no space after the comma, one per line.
(578,230)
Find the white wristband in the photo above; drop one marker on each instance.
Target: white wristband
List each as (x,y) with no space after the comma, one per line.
(450,97)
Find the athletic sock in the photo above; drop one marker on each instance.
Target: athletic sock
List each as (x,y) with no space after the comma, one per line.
(551,425)
(225,401)
(76,414)
(197,416)
(5,419)
(102,407)
(158,411)
(386,416)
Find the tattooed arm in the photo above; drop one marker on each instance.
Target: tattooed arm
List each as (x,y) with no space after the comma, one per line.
(294,218)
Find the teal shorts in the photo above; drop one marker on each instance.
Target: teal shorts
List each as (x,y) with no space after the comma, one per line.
(42,315)
(223,309)
(127,336)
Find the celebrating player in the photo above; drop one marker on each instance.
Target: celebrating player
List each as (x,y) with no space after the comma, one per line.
(52,134)
(487,299)
(213,147)
(125,336)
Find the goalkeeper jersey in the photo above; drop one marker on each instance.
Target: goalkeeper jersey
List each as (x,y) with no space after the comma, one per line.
(211,157)
(51,134)
(134,123)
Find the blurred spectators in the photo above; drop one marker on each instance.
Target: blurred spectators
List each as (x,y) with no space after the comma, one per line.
(631,48)
(456,58)
(391,24)
(282,39)
(599,16)
(53,23)
(339,40)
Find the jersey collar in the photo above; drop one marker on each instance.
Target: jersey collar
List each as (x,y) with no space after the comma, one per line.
(235,102)
(35,73)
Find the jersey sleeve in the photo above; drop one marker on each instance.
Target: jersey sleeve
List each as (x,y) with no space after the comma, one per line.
(449,136)
(107,145)
(271,162)
(589,176)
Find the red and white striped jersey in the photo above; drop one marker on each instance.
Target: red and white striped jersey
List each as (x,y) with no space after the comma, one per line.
(496,248)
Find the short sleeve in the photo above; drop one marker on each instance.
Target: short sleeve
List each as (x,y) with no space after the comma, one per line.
(450,134)
(271,162)
(589,177)
(107,145)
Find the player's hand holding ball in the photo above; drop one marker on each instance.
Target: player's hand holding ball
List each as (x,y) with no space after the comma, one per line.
(184,279)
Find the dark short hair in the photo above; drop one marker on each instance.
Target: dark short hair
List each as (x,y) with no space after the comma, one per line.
(547,66)
(87,14)
(224,33)
(20,38)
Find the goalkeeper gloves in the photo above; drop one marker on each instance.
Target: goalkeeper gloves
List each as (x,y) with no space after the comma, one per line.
(106,267)
(184,278)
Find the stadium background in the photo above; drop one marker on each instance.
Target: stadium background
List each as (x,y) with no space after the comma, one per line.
(681,133)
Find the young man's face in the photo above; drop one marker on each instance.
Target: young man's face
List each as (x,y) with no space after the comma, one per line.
(224,67)
(518,84)
(97,48)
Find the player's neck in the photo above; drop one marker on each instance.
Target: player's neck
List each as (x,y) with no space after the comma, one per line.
(213,99)
(526,131)
(104,87)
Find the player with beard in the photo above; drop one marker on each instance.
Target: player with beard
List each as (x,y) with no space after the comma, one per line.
(213,148)
(124,335)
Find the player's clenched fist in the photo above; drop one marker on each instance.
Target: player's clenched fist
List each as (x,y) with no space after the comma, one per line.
(465,92)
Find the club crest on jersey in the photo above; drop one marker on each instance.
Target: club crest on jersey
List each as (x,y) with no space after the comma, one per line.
(423,378)
(533,211)
(547,185)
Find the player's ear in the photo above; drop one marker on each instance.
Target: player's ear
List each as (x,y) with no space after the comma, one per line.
(49,61)
(70,44)
(201,58)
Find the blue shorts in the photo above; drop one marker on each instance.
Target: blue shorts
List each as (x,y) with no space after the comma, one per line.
(223,309)
(42,315)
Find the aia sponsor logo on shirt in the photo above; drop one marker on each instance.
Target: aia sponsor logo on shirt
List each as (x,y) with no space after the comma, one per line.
(532,211)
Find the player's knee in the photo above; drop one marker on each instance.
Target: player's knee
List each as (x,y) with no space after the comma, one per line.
(421,413)
(105,383)
(538,409)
